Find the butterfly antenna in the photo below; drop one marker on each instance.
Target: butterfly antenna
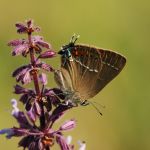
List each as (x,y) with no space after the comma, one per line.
(95,108)
(74,38)
(103,106)
(71,40)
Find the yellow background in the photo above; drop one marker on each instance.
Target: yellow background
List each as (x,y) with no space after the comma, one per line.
(121,25)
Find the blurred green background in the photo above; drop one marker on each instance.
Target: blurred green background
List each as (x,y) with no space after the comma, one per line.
(123,26)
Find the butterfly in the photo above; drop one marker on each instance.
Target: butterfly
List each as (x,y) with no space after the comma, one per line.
(86,70)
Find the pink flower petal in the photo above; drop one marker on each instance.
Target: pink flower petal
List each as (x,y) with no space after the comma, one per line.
(47,54)
(68,125)
(43,78)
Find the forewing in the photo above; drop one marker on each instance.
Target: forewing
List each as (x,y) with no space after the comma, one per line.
(91,69)
(84,69)
(111,65)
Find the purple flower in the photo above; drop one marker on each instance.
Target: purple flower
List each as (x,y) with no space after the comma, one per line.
(15,111)
(63,144)
(27,28)
(24,74)
(32,115)
(9,132)
(52,97)
(33,136)
(47,54)
(45,67)
(43,106)
(68,125)
(38,41)
(21,90)
(22,46)
(43,78)
(82,145)
(30,99)
(17,42)
(21,28)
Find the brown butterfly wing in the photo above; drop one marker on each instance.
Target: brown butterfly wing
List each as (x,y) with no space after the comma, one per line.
(112,64)
(68,70)
(63,79)
(83,70)
(91,69)
(106,62)
(88,68)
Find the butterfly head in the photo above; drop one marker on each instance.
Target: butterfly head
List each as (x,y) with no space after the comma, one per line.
(66,49)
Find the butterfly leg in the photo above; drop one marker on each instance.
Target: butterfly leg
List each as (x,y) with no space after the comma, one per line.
(69,103)
(84,103)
